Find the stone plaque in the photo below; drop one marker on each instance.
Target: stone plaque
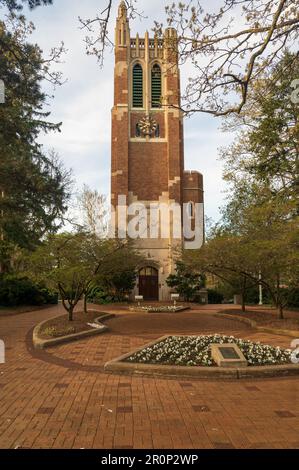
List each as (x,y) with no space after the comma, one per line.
(228,355)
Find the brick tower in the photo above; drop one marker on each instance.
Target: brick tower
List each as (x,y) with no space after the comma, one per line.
(148,142)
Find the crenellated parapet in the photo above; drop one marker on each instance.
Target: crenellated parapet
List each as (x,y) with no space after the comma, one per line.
(153,47)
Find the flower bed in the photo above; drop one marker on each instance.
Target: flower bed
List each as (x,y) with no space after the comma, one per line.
(195,351)
(160,309)
(61,326)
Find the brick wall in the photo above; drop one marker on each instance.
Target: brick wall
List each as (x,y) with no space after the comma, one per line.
(148,175)
(193,187)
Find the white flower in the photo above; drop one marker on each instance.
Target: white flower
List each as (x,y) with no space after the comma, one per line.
(195,351)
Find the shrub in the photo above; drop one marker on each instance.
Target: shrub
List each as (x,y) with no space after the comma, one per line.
(16,291)
(252,295)
(98,296)
(293,298)
(215,297)
(186,282)
(102,297)
(122,283)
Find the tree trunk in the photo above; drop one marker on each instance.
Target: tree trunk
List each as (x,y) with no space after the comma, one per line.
(279,299)
(277,291)
(243,294)
(281,314)
(71,311)
(85,303)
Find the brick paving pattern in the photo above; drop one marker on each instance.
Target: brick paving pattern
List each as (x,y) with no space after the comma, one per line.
(61,398)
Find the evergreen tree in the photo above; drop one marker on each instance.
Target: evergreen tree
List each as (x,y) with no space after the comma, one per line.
(34,186)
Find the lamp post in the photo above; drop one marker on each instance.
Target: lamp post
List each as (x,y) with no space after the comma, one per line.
(260,289)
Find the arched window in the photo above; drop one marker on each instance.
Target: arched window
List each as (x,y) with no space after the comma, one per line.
(156,86)
(148,272)
(137,86)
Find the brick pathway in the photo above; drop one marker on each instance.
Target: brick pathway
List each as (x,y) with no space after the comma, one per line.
(61,398)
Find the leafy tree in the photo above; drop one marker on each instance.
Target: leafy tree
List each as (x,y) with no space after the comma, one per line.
(117,275)
(63,262)
(73,263)
(224,257)
(265,242)
(186,282)
(16,290)
(122,283)
(34,186)
(260,220)
(116,268)
(272,235)
(266,150)
(118,272)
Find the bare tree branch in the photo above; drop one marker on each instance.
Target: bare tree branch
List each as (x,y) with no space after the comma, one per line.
(226,58)
(98,34)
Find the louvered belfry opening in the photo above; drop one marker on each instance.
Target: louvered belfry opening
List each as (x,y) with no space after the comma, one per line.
(137,86)
(156,86)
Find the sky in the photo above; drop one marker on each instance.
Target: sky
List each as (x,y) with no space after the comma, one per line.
(83,104)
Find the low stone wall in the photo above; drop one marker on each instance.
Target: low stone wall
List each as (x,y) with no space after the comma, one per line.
(262,329)
(120,367)
(40,343)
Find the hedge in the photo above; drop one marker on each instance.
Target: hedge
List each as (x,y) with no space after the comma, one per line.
(16,291)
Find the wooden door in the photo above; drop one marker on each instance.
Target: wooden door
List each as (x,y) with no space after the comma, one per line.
(149,283)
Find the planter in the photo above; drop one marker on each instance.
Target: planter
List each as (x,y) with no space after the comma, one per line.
(40,343)
(159,309)
(122,365)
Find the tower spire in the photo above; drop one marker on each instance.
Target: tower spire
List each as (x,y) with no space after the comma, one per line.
(122,10)
(122,33)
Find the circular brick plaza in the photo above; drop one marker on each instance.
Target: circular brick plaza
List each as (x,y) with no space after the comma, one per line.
(62,398)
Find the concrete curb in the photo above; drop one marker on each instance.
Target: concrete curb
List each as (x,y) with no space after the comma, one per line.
(262,329)
(104,317)
(40,343)
(118,366)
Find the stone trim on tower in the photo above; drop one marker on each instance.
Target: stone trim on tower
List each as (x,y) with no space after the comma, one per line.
(148,142)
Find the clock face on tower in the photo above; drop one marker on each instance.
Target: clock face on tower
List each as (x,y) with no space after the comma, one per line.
(147,125)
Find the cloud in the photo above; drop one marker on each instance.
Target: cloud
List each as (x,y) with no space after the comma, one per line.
(84,103)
